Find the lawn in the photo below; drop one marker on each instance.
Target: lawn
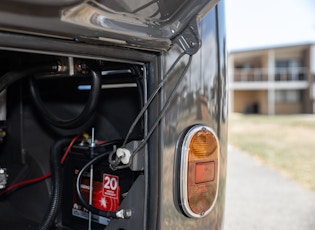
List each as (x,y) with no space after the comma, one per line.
(286,143)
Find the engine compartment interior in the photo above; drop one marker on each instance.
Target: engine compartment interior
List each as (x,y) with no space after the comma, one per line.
(61,118)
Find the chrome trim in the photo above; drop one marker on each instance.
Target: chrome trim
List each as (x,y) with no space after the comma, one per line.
(118,71)
(184,171)
(114,86)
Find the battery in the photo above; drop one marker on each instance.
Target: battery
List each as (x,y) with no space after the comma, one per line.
(109,189)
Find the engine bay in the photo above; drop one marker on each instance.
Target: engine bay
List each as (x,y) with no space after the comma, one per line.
(62,121)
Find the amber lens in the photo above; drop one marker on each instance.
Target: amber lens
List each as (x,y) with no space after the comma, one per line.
(202,145)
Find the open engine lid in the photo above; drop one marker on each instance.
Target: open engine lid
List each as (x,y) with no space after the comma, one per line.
(142,24)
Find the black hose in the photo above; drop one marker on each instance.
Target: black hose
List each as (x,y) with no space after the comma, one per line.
(11,77)
(86,113)
(56,183)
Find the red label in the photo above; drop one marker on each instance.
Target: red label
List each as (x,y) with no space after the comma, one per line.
(110,186)
(105,195)
(105,202)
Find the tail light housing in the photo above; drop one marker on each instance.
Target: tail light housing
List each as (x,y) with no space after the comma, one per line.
(197,171)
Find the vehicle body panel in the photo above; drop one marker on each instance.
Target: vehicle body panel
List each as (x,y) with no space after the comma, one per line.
(140,24)
(199,101)
(148,34)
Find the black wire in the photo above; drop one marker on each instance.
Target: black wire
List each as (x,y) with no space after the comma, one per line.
(158,119)
(155,13)
(113,163)
(153,95)
(139,77)
(165,107)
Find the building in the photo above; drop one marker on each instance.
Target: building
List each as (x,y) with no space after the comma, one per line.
(274,80)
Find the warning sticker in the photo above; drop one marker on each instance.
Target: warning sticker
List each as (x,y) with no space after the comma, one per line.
(110,186)
(105,192)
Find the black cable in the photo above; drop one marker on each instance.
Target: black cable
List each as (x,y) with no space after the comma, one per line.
(153,95)
(139,77)
(11,77)
(57,185)
(86,113)
(165,107)
(157,120)
(78,183)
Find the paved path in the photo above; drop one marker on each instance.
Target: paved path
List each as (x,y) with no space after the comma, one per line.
(258,198)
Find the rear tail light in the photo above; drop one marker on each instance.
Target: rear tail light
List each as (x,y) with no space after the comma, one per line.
(197,170)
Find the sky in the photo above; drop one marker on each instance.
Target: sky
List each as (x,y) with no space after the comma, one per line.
(262,23)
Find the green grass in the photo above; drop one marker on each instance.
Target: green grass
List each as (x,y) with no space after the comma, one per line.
(286,143)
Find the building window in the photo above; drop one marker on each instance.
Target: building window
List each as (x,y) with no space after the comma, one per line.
(288,96)
(290,63)
(289,70)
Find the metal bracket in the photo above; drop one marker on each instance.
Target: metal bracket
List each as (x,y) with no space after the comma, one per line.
(189,40)
(3,178)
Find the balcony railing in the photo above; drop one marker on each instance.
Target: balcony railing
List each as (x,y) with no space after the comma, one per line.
(278,74)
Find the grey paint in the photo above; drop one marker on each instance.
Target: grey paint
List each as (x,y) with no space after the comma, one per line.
(105,22)
(201,100)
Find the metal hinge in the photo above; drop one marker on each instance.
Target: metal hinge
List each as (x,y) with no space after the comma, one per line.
(189,40)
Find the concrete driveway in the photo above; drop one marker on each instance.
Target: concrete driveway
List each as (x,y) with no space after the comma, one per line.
(259,197)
